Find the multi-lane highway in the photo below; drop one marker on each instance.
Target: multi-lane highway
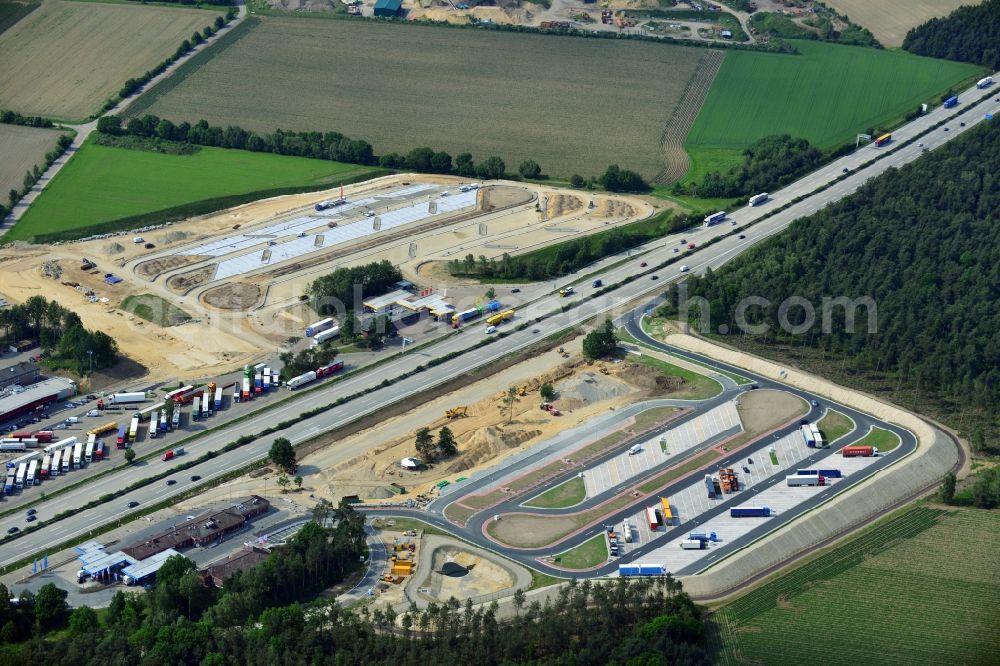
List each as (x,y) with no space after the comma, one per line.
(381,396)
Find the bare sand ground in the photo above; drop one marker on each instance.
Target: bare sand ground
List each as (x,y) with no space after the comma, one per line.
(216,341)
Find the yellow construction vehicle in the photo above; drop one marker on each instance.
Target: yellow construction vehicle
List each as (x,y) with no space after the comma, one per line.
(604,370)
(456,412)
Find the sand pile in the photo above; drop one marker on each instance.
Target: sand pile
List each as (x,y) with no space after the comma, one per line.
(114,248)
(485,443)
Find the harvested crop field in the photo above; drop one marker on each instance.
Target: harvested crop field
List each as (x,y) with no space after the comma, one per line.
(22,148)
(65,58)
(574,105)
(889,20)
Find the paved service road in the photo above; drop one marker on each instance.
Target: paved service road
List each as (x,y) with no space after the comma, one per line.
(658,252)
(474,530)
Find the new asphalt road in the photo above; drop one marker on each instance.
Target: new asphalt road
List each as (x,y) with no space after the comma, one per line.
(474,531)
(382,395)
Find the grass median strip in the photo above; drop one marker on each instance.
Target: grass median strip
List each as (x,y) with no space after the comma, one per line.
(834,425)
(587,555)
(881,439)
(566,494)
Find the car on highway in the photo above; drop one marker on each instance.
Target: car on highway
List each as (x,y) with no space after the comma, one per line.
(682,241)
(171,482)
(491,330)
(945,129)
(845,170)
(515,290)
(13,530)
(742,236)
(596,284)
(196,478)
(676,250)
(30,519)
(962,124)
(149,246)
(690,246)
(654,277)
(133,504)
(685,268)
(920,145)
(31,512)
(643,265)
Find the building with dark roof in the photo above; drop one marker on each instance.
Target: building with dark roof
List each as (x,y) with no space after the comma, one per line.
(217,572)
(22,373)
(201,530)
(388,8)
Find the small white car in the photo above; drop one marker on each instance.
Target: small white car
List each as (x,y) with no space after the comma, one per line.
(685,268)
(491,329)
(369,213)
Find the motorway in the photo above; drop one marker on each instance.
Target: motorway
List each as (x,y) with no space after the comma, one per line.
(474,530)
(381,396)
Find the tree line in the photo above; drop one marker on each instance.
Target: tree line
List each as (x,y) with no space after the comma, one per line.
(328,293)
(922,242)
(8,117)
(968,34)
(646,621)
(768,164)
(61,333)
(31,177)
(566,257)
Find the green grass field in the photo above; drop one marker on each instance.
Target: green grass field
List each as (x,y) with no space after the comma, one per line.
(834,425)
(918,588)
(101,184)
(565,494)
(826,95)
(881,439)
(587,555)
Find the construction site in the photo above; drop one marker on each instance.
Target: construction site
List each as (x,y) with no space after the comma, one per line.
(226,288)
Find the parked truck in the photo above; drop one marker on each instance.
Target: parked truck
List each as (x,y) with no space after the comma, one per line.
(301,380)
(88,452)
(627,531)
(693,544)
(121,399)
(32,475)
(133,429)
(78,455)
(11,447)
(44,436)
(182,395)
(750,512)
(175,418)
(329,369)
(206,402)
(326,336)
(796,480)
(318,327)
(245,391)
(56,465)
(985,82)
(110,426)
(500,317)
(122,440)
(173,453)
(710,486)
(196,409)
(217,401)
(46,467)
(858,451)
(99,450)
(164,422)
(22,471)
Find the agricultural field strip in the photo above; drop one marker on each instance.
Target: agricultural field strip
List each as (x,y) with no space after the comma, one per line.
(909,559)
(515,95)
(693,501)
(684,437)
(297,247)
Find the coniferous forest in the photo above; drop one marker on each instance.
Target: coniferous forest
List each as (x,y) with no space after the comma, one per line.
(924,243)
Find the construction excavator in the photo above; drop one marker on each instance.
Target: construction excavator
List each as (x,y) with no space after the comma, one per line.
(456,412)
